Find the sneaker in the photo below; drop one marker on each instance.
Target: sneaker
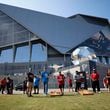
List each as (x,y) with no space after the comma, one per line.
(75,93)
(44,94)
(30,96)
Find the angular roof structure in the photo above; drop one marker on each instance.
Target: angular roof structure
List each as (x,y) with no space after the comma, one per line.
(61,33)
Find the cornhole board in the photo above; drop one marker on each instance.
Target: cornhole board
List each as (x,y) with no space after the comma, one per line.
(85,92)
(55,93)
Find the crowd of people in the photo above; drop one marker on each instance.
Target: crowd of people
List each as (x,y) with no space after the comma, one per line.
(32,81)
(79,82)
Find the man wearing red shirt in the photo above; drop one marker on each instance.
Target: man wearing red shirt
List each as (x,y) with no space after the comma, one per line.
(108,79)
(70,83)
(95,81)
(61,79)
(3,85)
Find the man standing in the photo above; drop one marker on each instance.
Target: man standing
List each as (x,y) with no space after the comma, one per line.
(3,85)
(108,79)
(95,80)
(70,84)
(70,80)
(30,78)
(77,81)
(9,85)
(25,86)
(45,78)
(36,84)
(61,81)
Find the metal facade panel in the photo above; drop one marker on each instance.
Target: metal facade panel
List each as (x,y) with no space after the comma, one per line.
(106,32)
(61,33)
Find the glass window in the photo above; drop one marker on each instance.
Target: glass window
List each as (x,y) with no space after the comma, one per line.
(5,19)
(6,56)
(39,53)
(18,27)
(22,54)
(104,60)
(52,52)
(109,60)
(21,36)
(1,14)
(100,59)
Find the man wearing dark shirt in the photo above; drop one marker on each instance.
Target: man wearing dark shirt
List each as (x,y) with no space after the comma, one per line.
(30,77)
(77,82)
(25,86)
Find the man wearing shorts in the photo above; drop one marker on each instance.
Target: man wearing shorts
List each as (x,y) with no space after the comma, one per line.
(30,78)
(61,79)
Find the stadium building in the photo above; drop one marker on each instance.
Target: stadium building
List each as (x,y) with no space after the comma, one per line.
(34,39)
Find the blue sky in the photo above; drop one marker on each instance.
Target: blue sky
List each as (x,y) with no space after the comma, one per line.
(65,8)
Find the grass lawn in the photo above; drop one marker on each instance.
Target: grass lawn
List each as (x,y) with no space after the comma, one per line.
(67,102)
